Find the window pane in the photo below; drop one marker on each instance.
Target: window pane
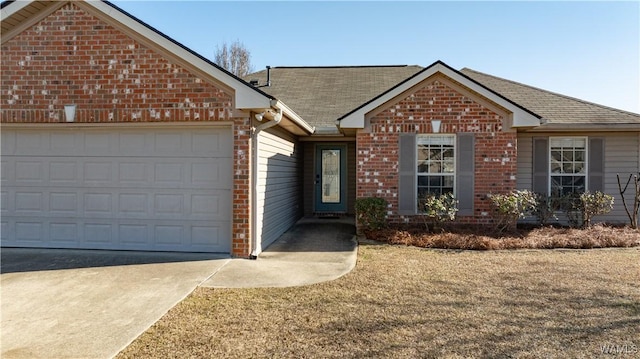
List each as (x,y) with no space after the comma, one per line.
(556,155)
(435,181)
(423,180)
(579,155)
(555,167)
(448,166)
(579,167)
(423,167)
(448,182)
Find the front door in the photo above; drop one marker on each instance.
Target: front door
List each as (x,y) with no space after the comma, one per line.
(330,181)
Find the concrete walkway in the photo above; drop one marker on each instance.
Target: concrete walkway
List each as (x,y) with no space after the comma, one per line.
(92,304)
(313,251)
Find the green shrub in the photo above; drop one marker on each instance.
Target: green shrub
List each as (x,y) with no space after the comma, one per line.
(371,212)
(508,208)
(438,209)
(546,208)
(581,208)
(594,204)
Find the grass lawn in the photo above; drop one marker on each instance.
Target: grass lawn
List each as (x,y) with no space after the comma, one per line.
(410,302)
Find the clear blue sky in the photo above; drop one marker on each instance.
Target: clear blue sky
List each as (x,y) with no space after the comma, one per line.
(588,50)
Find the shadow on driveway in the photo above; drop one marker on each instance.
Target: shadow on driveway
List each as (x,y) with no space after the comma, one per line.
(15,260)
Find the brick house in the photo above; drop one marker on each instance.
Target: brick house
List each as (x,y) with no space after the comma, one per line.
(115,136)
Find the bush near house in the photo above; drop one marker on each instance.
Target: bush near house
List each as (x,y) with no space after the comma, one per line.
(371,213)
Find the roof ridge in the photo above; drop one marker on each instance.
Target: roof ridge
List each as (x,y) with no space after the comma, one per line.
(551,92)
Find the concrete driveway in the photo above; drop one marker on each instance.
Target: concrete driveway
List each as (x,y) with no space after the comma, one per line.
(97,302)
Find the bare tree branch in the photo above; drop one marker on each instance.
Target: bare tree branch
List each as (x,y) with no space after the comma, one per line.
(234,58)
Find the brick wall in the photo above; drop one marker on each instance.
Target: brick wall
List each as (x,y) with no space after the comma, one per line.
(495,152)
(72,57)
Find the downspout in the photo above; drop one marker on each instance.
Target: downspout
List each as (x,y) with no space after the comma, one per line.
(277,117)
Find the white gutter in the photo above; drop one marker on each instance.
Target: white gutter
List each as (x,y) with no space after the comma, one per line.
(276,118)
(293,116)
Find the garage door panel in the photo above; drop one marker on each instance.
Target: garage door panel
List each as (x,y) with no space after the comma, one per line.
(98,143)
(5,204)
(64,142)
(134,234)
(29,203)
(132,173)
(63,232)
(63,173)
(29,172)
(159,189)
(95,233)
(31,143)
(7,169)
(29,231)
(7,142)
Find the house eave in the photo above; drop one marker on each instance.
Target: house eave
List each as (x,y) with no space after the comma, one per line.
(521,116)
(302,126)
(584,127)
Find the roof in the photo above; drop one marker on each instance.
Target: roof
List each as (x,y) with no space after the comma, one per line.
(521,117)
(555,109)
(321,95)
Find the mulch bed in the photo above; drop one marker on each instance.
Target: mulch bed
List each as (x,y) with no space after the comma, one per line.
(526,237)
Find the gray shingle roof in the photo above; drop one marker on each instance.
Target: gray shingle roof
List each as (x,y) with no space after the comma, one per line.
(320,95)
(554,108)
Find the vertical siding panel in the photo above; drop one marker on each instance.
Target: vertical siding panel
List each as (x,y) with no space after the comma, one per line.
(309,186)
(278,197)
(524,177)
(620,157)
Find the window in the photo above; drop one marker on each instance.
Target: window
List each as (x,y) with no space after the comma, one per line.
(568,169)
(436,164)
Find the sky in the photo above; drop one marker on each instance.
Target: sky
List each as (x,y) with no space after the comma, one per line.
(588,50)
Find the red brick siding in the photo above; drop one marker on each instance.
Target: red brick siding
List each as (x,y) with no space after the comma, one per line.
(495,150)
(72,57)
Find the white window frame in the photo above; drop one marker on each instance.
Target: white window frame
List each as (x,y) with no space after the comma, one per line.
(586,161)
(425,174)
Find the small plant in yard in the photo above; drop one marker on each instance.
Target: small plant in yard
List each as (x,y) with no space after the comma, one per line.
(438,209)
(509,207)
(594,204)
(632,212)
(546,208)
(371,212)
(581,208)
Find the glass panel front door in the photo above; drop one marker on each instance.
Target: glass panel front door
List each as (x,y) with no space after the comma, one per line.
(330,178)
(330,175)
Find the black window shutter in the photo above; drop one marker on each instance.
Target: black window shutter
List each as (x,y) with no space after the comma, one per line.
(541,165)
(407,201)
(596,164)
(465,173)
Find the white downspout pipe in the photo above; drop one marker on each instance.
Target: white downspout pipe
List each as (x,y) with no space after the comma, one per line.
(254,175)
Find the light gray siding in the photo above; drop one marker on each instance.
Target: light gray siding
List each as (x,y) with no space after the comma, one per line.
(279,185)
(621,156)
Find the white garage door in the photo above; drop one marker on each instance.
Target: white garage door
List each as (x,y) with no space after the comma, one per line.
(159,189)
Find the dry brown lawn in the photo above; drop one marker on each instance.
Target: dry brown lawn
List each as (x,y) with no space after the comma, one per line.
(408,302)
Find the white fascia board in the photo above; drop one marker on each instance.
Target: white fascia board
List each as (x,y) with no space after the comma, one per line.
(521,118)
(245,96)
(13,8)
(293,116)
